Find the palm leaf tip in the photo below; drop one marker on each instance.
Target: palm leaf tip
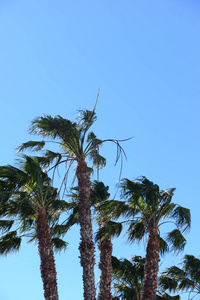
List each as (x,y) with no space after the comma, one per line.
(59,244)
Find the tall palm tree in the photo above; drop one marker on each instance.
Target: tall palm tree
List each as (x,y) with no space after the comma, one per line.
(146,209)
(186,278)
(32,206)
(107,229)
(77,144)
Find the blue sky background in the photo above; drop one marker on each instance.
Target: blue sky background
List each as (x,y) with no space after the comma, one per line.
(144,58)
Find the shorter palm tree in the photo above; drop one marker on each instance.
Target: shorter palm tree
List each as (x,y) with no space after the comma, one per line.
(146,208)
(33,207)
(184,279)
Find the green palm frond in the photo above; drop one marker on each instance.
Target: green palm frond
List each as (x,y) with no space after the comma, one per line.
(114,208)
(13,177)
(59,230)
(86,119)
(191,265)
(136,230)
(182,216)
(49,157)
(28,225)
(163,246)
(98,161)
(59,244)
(176,279)
(99,192)
(32,146)
(5,225)
(72,219)
(176,240)
(54,127)
(9,242)
(109,229)
(168,279)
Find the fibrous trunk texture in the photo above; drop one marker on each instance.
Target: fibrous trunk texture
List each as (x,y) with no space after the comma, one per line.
(45,247)
(105,265)
(86,247)
(151,266)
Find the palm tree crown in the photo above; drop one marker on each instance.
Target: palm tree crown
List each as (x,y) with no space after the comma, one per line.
(150,207)
(33,207)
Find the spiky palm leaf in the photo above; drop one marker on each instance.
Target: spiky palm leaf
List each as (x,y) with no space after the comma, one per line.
(186,278)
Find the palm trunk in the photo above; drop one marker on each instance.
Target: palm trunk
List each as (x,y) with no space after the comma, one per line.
(86,247)
(151,266)
(105,265)
(45,247)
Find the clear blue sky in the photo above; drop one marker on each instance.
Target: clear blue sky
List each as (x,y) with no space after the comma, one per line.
(144,57)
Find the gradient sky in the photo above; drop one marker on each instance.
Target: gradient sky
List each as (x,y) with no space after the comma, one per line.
(144,57)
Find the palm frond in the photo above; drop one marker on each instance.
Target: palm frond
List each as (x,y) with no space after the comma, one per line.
(54,127)
(113,208)
(182,216)
(31,146)
(5,225)
(9,242)
(99,161)
(136,230)
(59,230)
(109,229)
(163,246)
(49,157)
(191,265)
(86,119)
(59,244)
(176,240)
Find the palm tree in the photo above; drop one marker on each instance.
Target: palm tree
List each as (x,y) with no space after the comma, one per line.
(186,278)
(146,209)
(77,145)
(32,206)
(99,194)
(107,229)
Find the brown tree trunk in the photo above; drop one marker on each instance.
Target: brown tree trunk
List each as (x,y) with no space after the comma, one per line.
(45,247)
(105,265)
(151,266)
(86,247)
